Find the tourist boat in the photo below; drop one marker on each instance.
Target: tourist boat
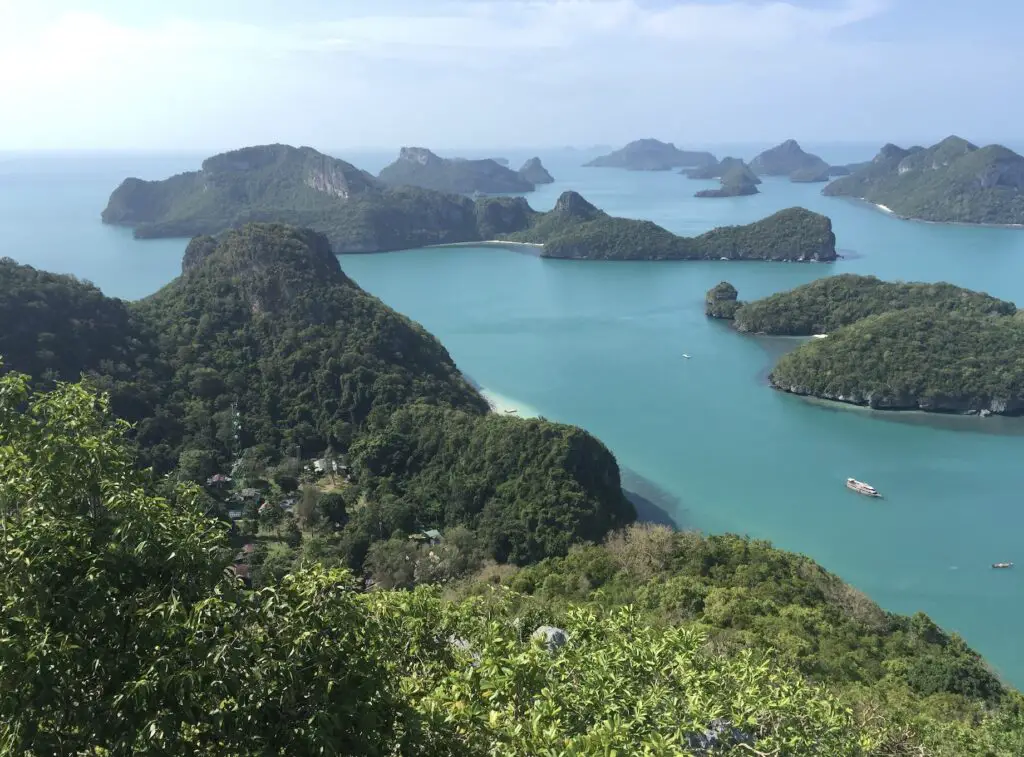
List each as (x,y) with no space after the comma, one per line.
(1002,565)
(861,488)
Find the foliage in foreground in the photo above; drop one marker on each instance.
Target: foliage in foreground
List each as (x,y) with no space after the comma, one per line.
(121,633)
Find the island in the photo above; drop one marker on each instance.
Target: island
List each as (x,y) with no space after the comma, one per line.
(789,159)
(834,301)
(736,178)
(720,301)
(577,230)
(419,167)
(953,181)
(359,214)
(652,155)
(534,172)
(890,345)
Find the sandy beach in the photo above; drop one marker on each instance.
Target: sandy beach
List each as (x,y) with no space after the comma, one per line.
(521,246)
(501,405)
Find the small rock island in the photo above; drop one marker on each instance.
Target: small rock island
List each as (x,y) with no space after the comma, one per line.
(736,178)
(953,181)
(534,172)
(721,302)
(419,167)
(890,345)
(652,155)
(789,159)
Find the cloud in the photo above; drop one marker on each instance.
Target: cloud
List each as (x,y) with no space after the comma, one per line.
(458,71)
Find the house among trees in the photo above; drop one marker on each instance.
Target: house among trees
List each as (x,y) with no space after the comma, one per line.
(219,480)
(431,536)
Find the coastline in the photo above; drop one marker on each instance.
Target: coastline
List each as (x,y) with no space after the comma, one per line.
(503,405)
(889,211)
(516,246)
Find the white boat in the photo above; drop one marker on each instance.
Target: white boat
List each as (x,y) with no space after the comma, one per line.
(686,356)
(861,488)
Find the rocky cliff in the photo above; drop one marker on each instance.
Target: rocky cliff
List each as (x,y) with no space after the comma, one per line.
(787,159)
(534,172)
(419,167)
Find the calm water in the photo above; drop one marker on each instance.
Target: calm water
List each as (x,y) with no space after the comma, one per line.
(600,345)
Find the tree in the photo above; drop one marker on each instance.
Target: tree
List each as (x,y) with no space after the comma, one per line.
(196,465)
(121,633)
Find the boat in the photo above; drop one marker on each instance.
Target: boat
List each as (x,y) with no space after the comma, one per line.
(861,488)
(686,356)
(513,410)
(1002,565)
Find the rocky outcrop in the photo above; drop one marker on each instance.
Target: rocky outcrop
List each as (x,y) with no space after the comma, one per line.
(552,638)
(721,302)
(786,159)
(419,167)
(534,172)
(737,179)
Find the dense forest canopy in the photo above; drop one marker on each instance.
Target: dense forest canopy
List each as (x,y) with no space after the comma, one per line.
(576,229)
(916,358)
(263,354)
(890,345)
(124,634)
(828,303)
(952,181)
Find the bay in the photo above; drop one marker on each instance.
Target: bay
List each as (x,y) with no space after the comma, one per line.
(600,345)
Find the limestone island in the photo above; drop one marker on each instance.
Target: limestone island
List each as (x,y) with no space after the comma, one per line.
(577,230)
(789,159)
(721,302)
(419,167)
(652,155)
(736,178)
(358,213)
(891,345)
(534,172)
(953,181)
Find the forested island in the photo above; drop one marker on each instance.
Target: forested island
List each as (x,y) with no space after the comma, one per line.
(419,167)
(652,155)
(281,622)
(891,345)
(953,181)
(735,176)
(576,229)
(359,214)
(789,159)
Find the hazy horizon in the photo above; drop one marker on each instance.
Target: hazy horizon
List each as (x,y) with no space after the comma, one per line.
(475,74)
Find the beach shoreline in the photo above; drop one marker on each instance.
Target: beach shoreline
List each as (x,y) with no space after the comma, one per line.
(517,246)
(502,405)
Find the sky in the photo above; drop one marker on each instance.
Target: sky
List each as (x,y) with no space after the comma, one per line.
(218,74)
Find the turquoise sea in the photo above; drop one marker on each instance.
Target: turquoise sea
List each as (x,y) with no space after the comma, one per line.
(600,345)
